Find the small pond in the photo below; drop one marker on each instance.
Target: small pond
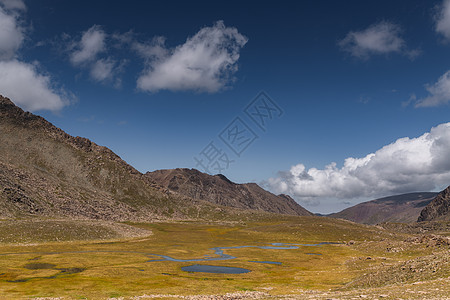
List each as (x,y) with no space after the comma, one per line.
(219,251)
(215,269)
(220,255)
(266,262)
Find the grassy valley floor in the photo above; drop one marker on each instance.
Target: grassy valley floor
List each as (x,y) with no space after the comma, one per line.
(101,260)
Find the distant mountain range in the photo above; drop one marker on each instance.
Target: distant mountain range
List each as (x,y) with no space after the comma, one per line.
(405,208)
(46,172)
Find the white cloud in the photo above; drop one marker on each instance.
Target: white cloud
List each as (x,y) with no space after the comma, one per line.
(439,92)
(378,39)
(28,88)
(102,69)
(91,44)
(11,35)
(442,19)
(408,164)
(154,50)
(204,63)
(13,4)
(90,52)
(21,81)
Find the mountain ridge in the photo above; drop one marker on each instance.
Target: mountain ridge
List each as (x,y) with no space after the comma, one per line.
(403,208)
(218,189)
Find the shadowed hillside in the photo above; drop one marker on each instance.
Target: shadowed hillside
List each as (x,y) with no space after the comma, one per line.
(400,208)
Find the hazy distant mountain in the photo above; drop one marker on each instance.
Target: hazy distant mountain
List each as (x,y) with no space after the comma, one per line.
(220,190)
(400,208)
(438,209)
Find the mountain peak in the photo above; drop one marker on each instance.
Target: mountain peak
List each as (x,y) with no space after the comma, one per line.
(223,177)
(5,101)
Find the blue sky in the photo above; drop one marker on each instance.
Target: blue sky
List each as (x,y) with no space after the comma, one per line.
(362,84)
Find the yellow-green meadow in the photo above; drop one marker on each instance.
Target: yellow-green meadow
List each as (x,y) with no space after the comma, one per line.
(103,264)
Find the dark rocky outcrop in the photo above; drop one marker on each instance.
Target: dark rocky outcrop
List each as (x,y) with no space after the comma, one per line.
(438,209)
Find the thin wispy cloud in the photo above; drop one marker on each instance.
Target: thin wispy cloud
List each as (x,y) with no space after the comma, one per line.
(206,62)
(439,93)
(90,52)
(13,4)
(442,19)
(408,164)
(26,84)
(153,50)
(92,43)
(381,38)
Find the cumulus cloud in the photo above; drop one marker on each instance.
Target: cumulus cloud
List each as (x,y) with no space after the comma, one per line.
(11,35)
(378,39)
(204,63)
(29,89)
(442,19)
(439,93)
(21,81)
(408,164)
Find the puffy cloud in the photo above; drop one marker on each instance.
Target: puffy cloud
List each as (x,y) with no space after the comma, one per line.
(13,4)
(439,92)
(91,44)
(379,38)
(408,164)
(204,63)
(21,81)
(28,88)
(442,19)
(11,35)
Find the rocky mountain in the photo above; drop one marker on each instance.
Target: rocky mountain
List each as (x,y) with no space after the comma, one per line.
(438,209)
(218,189)
(46,172)
(403,208)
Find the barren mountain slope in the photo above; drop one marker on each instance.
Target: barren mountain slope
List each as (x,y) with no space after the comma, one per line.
(220,190)
(438,209)
(400,208)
